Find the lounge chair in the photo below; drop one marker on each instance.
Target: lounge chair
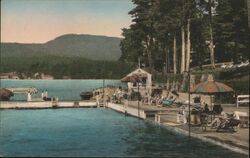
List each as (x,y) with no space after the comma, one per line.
(168,102)
(228,124)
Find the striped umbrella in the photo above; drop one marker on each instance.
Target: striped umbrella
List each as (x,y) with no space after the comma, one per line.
(211,87)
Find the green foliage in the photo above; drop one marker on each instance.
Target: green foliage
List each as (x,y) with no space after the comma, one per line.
(156,22)
(231,30)
(237,78)
(240,85)
(77,68)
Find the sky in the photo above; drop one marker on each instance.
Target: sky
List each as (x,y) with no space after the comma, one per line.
(38,21)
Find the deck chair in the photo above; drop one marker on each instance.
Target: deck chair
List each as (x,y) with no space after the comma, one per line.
(168,102)
(228,125)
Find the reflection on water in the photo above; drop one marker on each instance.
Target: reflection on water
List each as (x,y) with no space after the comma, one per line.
(94,132)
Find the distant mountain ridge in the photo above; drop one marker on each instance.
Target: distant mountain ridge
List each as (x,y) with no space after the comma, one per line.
(70,45)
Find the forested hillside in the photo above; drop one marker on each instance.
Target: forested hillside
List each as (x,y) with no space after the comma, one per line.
(70,45)
(75,67)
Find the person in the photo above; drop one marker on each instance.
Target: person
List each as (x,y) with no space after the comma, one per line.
(197,99)
(28,96)
(42,95)
(183,113)
(97,100)
(222,120)
(45,95)
(238,114)
(206,109)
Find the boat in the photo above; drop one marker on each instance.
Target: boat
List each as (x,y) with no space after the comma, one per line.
(86,95)
(5,94)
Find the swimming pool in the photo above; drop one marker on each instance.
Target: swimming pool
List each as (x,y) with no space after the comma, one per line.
(94,132)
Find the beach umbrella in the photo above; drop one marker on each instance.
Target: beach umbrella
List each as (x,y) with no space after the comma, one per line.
(211,87)
(135,79)
(5,94)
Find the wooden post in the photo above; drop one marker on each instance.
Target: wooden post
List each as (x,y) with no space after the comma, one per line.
(189,112)
(138,100)
(174,55)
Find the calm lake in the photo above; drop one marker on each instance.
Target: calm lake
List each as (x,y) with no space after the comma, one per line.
(64,89)
(95,132)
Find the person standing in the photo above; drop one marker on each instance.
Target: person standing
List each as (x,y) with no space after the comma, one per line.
(46,94)
(28,96)
(42,95)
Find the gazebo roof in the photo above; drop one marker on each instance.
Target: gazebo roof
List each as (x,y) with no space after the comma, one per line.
(138,72)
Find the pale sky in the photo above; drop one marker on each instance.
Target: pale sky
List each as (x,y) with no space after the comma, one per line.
(38,21)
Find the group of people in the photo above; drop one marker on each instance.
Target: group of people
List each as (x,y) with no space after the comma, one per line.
(222,121)
(44,95)
(157,99)
(163,100)
(117,96)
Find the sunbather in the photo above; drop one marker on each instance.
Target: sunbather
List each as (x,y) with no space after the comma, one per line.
(219,120)
(224,122)
(169,101)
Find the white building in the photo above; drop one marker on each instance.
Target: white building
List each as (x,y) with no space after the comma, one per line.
(145,86)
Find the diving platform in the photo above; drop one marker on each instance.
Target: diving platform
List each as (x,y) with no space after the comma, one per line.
(23,90)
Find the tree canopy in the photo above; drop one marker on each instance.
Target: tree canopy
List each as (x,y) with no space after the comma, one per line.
(164,33)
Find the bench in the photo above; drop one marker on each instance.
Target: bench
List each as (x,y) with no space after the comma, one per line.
(242,99)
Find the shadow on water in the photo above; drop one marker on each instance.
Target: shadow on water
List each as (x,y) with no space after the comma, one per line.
(150,140)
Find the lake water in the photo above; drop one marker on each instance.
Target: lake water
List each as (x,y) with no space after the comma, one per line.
(64,89)
(94,132)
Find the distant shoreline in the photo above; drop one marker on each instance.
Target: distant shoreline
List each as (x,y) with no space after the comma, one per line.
(57,79)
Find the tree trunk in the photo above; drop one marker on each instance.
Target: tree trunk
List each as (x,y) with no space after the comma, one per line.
(184,82)
(174,55)
(188,46)
(211,45)
(150,61)
(183,54)
(248,10)
(182,49)
(168,60)
(149,54)
(165,59)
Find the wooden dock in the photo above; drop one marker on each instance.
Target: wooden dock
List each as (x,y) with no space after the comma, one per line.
(23,90)
(47,104)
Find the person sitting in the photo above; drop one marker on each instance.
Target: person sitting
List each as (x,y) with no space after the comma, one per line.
(169,101)
(217,121)
(226,121)
(243,117)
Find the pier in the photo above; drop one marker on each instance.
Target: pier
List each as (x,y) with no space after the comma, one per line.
(22,90)
(47,104)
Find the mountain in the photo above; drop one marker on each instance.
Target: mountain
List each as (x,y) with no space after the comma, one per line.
(69,45)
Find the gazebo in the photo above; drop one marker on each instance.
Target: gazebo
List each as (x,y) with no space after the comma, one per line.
(145,84)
